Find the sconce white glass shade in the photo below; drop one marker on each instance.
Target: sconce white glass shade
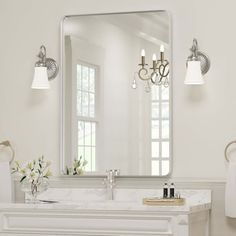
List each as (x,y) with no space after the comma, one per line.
(194,73)
(40,78)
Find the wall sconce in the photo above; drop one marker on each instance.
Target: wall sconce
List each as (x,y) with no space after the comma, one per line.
(45,69)
(159,70)
(198,64)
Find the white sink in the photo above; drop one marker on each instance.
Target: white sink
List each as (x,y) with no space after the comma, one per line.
(124,199)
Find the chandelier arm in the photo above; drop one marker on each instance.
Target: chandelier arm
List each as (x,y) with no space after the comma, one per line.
(154,75)
(145,73)
(162,69)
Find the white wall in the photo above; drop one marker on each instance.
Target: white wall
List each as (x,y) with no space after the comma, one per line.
(204,117)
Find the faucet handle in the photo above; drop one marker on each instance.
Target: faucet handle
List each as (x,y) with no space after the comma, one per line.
(116,172)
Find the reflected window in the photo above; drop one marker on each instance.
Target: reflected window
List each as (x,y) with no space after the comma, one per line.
(160,131)
(86,114)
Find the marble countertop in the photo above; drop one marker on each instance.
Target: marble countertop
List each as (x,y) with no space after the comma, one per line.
(81,200)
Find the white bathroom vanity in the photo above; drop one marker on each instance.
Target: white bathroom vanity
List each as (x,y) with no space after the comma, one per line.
(86,212)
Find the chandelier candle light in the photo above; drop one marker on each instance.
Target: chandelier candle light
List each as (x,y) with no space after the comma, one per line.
(159,74)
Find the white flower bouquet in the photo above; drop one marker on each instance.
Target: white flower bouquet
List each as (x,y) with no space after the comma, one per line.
(77,167)
(34,176)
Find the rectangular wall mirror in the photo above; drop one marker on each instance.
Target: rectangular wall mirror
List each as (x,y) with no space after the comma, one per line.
(106,123)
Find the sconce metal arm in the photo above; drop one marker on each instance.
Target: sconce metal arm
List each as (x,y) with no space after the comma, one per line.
(8,144)
(42,56)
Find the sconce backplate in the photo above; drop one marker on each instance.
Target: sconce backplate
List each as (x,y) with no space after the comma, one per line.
(52,68)
(204,61)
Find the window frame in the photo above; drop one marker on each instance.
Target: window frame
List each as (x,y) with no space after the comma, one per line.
(76,118)
(160,120)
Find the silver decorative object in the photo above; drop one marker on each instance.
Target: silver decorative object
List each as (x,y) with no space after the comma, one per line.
(52,66)
(159,72)
(197,55)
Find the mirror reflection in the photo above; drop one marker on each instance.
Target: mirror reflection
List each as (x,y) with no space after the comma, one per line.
(113,118)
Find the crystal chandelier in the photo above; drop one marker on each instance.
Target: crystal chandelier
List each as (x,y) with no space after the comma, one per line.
(158,74)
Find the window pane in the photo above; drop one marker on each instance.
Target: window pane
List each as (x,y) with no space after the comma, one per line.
(85,78)
(86,108)
(155,149)
(165,110)
(88,137)
(80,152)
(155,110)
(85,104)
(79,103)
(165,93)
(155,129)
(165,149)
(165,129)
(86,147)
(155,92)
(155,167)
(93,159)
(92,80)
(165,167)
(80,133)
(160,130)
(87,154)
(88,167)
(78,76)
(91,105)
(93,134)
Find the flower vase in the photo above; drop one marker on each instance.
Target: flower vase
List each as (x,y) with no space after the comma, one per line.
(32,188)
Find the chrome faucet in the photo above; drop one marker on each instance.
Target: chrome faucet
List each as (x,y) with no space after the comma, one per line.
(110,182)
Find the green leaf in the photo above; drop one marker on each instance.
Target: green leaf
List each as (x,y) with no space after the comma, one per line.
(22,178)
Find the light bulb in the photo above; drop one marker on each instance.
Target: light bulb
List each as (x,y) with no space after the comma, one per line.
(143,53)
(154,57)
(162,48)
